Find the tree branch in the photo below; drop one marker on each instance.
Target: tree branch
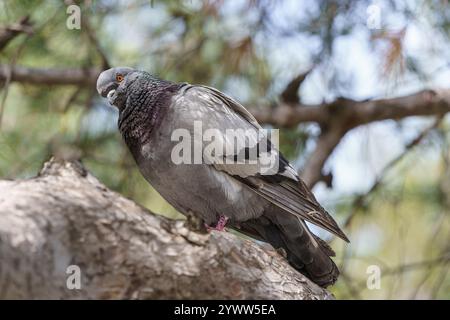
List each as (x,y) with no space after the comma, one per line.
(290,93)
(287,116)
(354,113)
(312,171)
(66,217)
(47,76)
(10,32)
(340,116)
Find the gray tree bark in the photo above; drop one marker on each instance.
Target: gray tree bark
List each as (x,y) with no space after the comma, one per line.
(66,217)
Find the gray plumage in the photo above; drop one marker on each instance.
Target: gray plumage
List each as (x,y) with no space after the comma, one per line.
(271,208)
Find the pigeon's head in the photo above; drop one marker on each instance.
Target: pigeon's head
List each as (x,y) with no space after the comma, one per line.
(113,82)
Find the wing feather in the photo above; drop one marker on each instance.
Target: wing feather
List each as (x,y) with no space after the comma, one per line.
(283,187)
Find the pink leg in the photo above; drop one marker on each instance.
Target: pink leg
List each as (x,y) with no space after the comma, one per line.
(220,224)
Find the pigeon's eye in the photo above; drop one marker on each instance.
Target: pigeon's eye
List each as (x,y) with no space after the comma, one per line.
(119,78)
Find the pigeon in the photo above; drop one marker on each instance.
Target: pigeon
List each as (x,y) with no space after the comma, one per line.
(234,188)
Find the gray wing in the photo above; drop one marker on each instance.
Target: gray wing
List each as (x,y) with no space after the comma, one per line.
(279,185)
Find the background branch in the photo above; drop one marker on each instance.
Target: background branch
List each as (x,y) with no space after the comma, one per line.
(10,32)
(48,76)
(290,93)
(312,171)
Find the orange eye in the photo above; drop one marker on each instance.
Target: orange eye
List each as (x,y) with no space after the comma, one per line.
(119,78)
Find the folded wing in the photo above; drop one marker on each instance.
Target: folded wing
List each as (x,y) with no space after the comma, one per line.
(280,184)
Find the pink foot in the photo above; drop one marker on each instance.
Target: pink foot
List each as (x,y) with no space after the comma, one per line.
(220,224)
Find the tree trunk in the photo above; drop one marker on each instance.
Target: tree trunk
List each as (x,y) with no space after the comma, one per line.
(64,223)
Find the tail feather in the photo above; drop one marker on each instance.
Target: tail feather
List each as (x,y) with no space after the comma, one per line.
(305,251)
(325,247)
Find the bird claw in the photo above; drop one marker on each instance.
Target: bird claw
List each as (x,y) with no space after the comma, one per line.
(194,222)
(220,225)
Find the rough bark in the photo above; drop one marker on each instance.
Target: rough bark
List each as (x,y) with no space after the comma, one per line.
(65,216)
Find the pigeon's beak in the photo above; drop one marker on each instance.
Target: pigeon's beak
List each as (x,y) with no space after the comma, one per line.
(106,84)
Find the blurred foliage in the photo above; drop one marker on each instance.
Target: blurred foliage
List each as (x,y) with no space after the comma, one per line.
(251,50)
